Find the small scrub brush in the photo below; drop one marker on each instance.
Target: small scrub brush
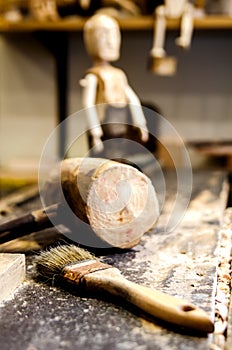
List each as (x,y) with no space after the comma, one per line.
(76,266)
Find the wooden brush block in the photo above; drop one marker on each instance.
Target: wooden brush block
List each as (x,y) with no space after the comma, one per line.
(166,66)
(12,273)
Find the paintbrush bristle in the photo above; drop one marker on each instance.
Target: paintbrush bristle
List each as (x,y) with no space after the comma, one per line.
(50,263)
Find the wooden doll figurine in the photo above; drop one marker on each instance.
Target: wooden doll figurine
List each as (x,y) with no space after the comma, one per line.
(43,10)
(107,96)
(10,11)
(172,9)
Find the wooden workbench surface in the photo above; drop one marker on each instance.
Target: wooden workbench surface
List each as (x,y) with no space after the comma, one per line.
(185,262)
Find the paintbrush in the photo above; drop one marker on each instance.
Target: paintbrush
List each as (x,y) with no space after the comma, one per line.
(76,266)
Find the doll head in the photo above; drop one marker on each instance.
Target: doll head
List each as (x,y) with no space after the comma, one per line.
(102,37)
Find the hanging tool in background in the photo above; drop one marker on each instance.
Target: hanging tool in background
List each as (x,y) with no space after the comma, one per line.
(160,63)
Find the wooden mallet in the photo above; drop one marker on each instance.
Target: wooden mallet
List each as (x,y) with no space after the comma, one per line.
(116,200)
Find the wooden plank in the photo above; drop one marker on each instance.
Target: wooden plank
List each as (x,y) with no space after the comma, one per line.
(9,203)
(12,273)
(224,295)
(129,23)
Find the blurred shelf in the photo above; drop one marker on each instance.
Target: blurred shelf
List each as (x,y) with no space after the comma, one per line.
(131,23)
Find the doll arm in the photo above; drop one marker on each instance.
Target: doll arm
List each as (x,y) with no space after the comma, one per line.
(137,113)
(89,84)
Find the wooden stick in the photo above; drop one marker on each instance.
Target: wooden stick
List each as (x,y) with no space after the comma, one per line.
(17,198)
(160,305)
(30,222)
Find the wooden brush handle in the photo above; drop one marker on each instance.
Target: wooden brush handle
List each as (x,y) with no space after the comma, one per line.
(157,304)
(28,223)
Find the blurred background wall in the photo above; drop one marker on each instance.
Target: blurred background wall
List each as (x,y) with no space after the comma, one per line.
(197,100)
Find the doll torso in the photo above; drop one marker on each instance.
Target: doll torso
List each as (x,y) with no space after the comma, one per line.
(111,87)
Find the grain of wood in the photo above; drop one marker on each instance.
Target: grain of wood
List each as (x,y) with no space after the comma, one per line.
(12,274)
(183,263)
(118,201)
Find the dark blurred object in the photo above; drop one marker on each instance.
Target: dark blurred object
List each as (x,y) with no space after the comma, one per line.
(219,149)
(130,132)
(151,112)
(76,8)
(218,7)
(148,6)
